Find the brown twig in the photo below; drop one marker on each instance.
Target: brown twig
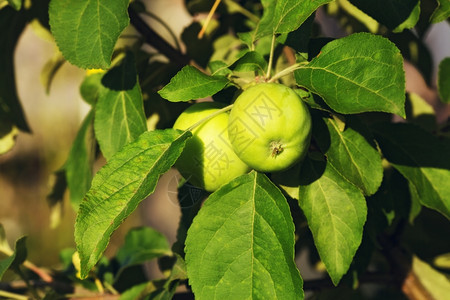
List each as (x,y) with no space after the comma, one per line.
(414,289)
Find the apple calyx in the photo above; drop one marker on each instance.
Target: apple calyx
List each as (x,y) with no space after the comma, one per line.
(276,148)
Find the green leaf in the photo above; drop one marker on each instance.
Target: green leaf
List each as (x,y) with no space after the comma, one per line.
(16,258)
(80,161)
(16,4)
(388,12)
(190,83)
(134,292)
(350,153)
(128,177)
(241,244)
(10,107)
(411,21)
(442,12)
(285,16)
(86,31)
(91,87)
(119,112)
(336,212)
(358,73)
(119,119)
(444,79)
(422,159)
(190,199)
(416,207)
(219,67)
(251,61)
(141,245)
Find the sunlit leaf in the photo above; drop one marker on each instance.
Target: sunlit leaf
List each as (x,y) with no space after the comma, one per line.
(285,16)
(16,258)
(241,244)
(336,212)
(190,83)
(422,159)
(86,31)
(128,178)
(358,73)
(411,21)
(442,12)
(351,154)
(80,161)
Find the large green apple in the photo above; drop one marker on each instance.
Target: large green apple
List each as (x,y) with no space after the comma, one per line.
(269,127)
(208,160)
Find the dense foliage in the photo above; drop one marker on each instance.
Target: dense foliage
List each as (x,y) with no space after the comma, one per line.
(370,202)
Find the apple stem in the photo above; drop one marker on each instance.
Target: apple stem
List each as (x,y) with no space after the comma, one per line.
(287,71)
(272,50)
(216,113)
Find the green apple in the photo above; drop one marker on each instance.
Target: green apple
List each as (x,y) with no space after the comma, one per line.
(269,127)
(208,160)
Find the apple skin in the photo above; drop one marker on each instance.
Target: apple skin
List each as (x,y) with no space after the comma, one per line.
(269,127)
(208,160)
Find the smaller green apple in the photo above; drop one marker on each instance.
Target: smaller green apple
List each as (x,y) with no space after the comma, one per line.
(208,160)
(269,127)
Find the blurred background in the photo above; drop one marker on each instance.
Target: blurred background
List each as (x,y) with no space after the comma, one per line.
(26,172)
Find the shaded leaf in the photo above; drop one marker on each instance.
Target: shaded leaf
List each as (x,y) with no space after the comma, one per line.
(91,87)
(358,73)
(16,4)
(142,244)
(390,13)
(119,111)
(414,50)
(86,31)
(241,244)
(16,258)
(351,154)
(444,80)
(336,212)
(190,83)
(411,21)
(422,159)
(119,119)
(128,177)
(219,67)
(197,49)
(10,107)
(250,61)
(80,161)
